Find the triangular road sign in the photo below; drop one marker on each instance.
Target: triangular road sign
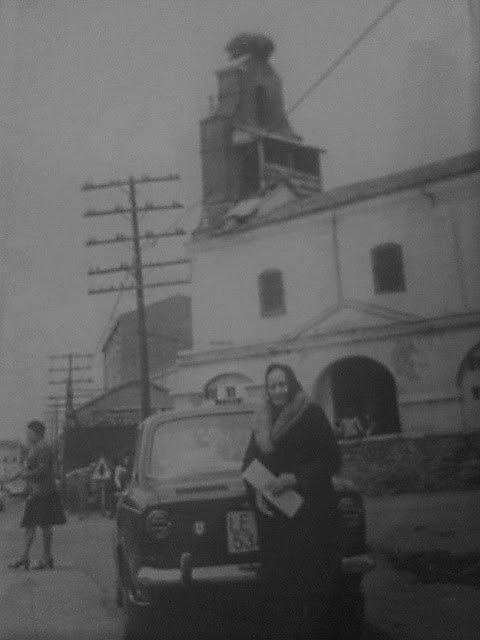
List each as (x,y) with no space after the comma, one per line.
(101,471)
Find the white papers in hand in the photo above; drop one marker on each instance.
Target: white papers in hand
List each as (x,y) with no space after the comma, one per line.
(258,476)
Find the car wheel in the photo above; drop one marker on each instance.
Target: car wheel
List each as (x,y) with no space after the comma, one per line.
(136,621)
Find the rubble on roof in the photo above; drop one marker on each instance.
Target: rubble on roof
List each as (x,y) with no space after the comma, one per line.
(302,184)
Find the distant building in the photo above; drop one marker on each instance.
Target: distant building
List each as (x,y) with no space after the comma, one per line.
(169,328)
(370,291)
(106,426)
(11,457)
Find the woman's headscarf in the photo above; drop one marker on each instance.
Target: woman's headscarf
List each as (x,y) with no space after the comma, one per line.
(293,385)
(271,423)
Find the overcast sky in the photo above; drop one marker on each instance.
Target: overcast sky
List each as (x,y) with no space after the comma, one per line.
(98,89)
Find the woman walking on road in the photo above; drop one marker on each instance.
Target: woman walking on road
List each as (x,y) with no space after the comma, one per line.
(300,555)
(43,507)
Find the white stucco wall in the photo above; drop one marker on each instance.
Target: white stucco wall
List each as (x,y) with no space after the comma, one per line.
(426,240)
(439,231)
(439,235)
(425,368)
(225,304)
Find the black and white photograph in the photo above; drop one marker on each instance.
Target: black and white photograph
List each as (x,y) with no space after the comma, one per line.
(240,319)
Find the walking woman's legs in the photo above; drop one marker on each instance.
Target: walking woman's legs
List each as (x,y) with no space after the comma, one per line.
(47,543)
(29,538)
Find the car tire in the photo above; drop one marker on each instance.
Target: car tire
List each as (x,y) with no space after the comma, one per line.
(136,622)
(136,619)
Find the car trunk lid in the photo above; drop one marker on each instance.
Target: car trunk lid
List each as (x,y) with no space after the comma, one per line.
(213,521)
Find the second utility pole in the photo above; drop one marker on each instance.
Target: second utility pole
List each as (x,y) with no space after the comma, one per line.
(141,320)
(137,266)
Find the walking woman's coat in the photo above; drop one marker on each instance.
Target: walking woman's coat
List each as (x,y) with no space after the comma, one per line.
(300,554)
(43,506)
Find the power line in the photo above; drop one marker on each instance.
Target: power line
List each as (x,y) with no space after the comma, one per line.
(137,267)
(338,61)
(383,14)
(108,324)
(331,68)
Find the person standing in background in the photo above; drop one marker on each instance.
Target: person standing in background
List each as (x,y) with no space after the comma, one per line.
(43,507)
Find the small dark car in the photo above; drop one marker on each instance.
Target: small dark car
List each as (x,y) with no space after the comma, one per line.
(186,543)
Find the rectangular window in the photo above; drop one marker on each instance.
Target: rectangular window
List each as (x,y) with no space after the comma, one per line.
(387,267)
(271,293)
(476,393)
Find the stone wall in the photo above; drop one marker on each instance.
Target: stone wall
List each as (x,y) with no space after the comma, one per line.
(398,464)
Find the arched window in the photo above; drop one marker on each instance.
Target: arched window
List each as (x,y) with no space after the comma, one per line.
(387,267)
(271,293)
(228,388)
(261,105)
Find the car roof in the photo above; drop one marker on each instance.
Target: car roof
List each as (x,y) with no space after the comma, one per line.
(197,412)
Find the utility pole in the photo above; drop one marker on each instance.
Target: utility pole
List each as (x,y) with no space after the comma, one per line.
(52,416)
(67,400)
(69,381)
(141,320)
(137,267)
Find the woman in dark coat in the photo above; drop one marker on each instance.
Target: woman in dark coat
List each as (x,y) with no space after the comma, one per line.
(300,555)
(43,507)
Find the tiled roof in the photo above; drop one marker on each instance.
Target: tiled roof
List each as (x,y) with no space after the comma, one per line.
(361,191)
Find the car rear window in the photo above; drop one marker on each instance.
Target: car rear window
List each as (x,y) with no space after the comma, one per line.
(191,448)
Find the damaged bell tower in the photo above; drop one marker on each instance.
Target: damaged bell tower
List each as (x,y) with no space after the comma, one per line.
(247,142)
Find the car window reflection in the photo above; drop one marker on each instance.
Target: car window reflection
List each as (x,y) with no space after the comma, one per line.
(199,446)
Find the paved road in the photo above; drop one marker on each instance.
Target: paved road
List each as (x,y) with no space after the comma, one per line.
(410,610)
(75,600)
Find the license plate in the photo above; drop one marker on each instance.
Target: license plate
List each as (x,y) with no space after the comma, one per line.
(242,534)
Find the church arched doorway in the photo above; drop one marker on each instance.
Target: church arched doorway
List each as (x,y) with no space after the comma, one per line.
(361,387)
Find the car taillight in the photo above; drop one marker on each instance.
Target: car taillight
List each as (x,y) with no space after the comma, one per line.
(158,525)
(351,511)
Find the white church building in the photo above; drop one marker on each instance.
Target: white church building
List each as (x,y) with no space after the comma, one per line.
(370,291)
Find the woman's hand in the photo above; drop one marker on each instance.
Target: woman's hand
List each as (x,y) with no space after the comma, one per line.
(282,483)
(262,504)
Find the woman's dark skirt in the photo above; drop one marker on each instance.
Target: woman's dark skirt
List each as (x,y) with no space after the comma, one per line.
(43,511)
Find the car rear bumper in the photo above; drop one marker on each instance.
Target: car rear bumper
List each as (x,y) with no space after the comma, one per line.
(148,577)
(235,574)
